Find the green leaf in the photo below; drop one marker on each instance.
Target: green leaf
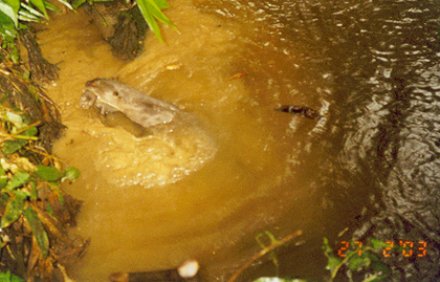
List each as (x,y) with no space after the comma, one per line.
(14,118)
(162,4)
(34,192)
(39,4)
(3,181)
(2,244)
(12,146)
(380,267)
(15,4)
(9,12)
(5,27)
(77,3)
(51,7)
(8,32)
(326,247)
(157,12)
(33,131)
(17,180)
(14,54)
(265,235)
(38,230)
(49,210)
(65,3)
(356,263)
(31,10)
(143,7)
(14,209)
(48,173)
(71,173)
(151,11)
(9,277)
(3,178)
(27,16)
(378,245)
(26,75)
(333,264)
(265,240)
(4,197)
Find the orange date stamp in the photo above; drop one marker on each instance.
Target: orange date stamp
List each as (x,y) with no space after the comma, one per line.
(405,248)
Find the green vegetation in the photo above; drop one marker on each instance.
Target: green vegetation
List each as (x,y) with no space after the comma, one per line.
(152,11)
(35,213)
(365,264)
(265,240)
(26,186)
(9,277)
(269,244)
(15,14)
(360,263)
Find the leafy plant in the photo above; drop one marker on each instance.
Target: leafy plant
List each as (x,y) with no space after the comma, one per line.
(265,240)
(15,14)
(9,277)
(21,180)
(366,263)
(151,10)
(267,248)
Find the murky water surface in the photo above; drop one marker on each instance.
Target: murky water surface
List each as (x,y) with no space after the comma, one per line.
(370,163)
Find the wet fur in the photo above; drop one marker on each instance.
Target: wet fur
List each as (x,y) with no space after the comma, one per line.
(109,95)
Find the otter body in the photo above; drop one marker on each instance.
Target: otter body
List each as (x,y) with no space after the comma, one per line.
(109,95)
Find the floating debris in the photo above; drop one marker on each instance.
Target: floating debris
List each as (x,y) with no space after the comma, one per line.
(302,110)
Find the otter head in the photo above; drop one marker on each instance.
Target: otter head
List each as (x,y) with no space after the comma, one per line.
(102,93)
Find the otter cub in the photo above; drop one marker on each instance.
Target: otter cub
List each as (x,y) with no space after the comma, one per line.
(109,96)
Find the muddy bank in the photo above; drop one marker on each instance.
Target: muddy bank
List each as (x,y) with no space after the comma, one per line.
(35,212)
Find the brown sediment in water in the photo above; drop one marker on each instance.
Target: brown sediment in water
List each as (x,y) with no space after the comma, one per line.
(371,73)
(213,213)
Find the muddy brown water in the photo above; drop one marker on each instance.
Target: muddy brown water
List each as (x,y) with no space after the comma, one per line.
(370,164)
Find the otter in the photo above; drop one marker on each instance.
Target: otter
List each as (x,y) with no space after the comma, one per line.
(110,95)
(168,144)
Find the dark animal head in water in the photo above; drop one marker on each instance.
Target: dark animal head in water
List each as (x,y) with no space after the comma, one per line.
(109,95)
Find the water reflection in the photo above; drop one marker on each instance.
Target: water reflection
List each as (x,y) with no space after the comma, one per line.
(377,64)
(371,163)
